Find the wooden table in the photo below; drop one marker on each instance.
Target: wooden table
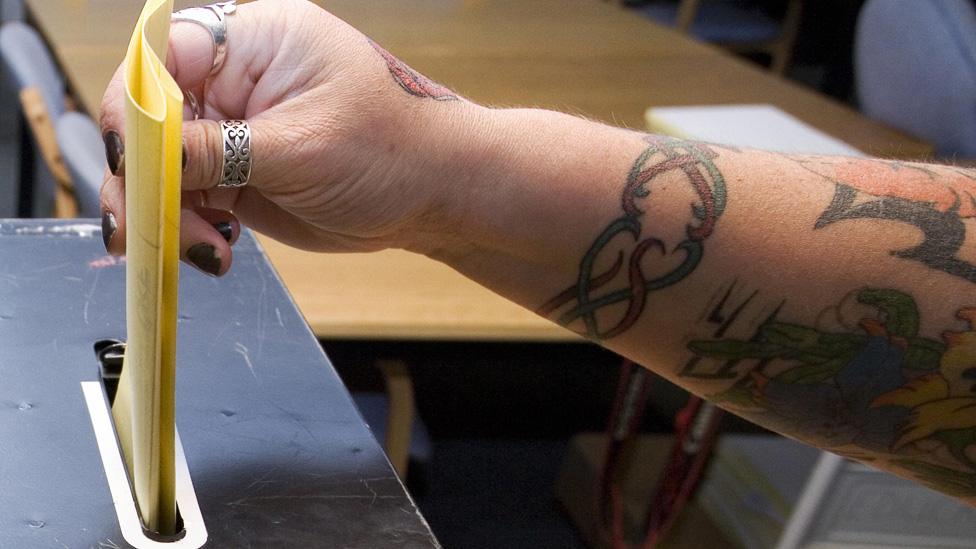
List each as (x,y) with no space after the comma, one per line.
(580,56)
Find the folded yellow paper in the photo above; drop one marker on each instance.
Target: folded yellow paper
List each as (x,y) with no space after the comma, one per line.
(144,405)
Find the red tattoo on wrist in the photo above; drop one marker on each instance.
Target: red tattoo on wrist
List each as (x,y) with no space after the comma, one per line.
(411,81)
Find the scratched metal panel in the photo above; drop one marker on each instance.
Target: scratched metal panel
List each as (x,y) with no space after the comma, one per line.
(278,454)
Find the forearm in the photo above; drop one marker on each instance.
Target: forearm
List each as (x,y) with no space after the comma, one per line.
(828,299)
(809,294)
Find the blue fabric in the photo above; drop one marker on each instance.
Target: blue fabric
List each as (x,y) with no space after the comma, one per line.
(30,63)
(719,22)
(915,64)
(81,148)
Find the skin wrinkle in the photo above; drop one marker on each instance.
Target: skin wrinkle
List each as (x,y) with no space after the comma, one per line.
(264,71)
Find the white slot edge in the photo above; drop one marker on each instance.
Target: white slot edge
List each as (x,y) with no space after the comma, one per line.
(118,481)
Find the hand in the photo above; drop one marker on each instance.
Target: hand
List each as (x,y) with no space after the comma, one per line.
(352,150)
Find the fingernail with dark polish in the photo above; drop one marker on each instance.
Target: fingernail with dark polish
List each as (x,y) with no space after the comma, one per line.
(109,226)
(114,151)
(225,230)
(186,153)
(204,257)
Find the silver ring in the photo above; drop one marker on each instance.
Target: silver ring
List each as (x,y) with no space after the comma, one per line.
(212,17)
(236,168)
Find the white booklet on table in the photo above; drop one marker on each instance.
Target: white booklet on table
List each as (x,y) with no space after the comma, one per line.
(757,126)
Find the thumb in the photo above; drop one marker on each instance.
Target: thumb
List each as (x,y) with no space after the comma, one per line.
(190,55)
(189,59)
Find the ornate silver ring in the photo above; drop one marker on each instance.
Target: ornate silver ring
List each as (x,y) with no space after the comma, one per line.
(236,170)
(212,17)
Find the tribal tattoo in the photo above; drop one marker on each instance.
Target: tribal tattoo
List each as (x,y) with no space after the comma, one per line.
(863,382)
(935,199)
(411,81)
(595,292)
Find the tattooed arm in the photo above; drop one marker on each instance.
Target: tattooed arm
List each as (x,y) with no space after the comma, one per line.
(830,299)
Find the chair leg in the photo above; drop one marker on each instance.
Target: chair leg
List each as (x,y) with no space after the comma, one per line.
(783,52)
(399,423)
(65,206)
(687,10)
(42,127)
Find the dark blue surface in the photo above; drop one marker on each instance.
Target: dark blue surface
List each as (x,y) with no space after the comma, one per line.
(277,452)
(719,22)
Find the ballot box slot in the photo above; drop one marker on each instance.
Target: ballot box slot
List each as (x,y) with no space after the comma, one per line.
(99,396)
(180,530)
(110,353)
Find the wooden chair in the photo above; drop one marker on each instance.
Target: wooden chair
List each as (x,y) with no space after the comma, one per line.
(42,100)
(733,26)
(42,128)
(391,416)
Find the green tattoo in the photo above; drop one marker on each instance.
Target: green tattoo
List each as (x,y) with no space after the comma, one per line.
(878,386)
(594,291)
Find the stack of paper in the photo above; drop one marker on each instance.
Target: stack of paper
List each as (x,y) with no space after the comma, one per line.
(752,485)
(144,405)
(757,126)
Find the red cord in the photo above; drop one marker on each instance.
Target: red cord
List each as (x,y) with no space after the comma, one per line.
(696,430)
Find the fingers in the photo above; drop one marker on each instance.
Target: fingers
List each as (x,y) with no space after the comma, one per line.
(189,59)
(205,238)
(206,234)
(204,153)
(113,214)
(222,221)
(191,53)
(112,123)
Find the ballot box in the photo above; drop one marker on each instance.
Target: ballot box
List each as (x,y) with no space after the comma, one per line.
(277,453)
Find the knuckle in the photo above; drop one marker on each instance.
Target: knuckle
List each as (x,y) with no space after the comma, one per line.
(214,146)
(110,116)
(204,148)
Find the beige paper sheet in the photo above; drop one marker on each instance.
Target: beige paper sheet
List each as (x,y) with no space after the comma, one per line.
(144,406)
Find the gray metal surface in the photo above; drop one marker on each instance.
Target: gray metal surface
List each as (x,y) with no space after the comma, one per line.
(278,454)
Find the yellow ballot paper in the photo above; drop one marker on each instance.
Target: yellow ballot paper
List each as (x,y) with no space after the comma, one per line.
(144,405)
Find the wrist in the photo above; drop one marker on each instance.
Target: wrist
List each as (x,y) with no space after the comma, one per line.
(454,165)
(527,191)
